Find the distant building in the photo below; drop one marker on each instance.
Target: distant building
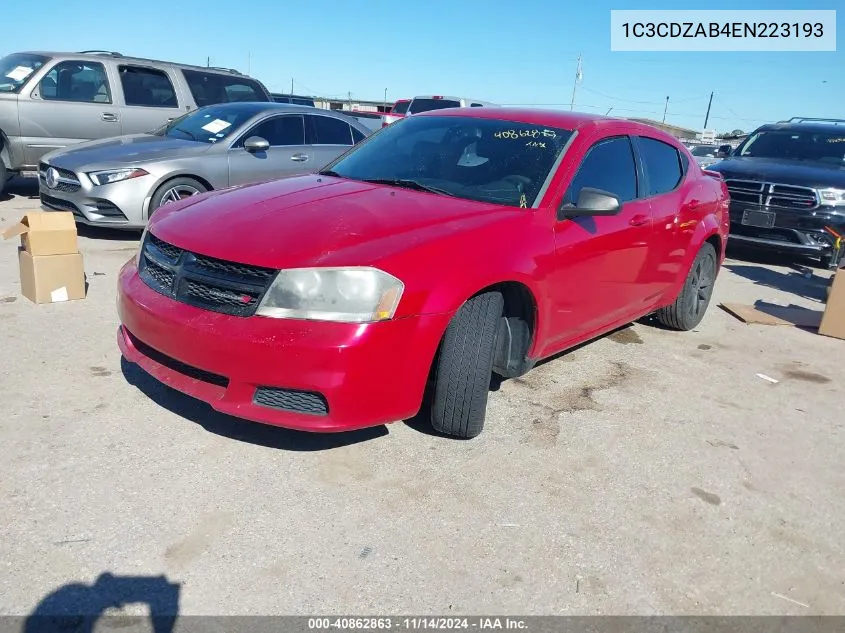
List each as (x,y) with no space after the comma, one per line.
(357,105)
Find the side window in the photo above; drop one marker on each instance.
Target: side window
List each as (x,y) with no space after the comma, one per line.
(357,136)
(148,87)
(609,166)
(79,81)
(212,88)
(279,131)
(327,130)
(662,164)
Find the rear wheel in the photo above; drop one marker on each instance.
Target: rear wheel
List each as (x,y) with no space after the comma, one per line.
(175,190)
(691,304)
(464,367)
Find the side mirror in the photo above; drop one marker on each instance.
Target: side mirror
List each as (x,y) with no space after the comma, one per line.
(725,150)
(592,202)
(256,144)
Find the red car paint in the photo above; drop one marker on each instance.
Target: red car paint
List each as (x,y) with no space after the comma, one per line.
(583,282)
(396,112)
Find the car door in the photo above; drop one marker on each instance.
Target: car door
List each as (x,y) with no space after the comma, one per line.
(328,137)
(149,99)
(599,260)
(665,187)
(73,102)
(286,156)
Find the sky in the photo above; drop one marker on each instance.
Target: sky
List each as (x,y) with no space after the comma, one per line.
(509,52)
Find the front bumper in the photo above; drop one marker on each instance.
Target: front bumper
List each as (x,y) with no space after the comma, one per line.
(798,232)
(118,205)
(365,374)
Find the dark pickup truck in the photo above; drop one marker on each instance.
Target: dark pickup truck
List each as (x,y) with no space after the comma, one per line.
(787,188)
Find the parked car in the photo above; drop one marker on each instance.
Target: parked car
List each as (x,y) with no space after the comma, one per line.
(426,103)
(706,155)
(370,120)
(53,100)
(396,112)
(294,99)
(787,186)
(121,181)
(449,245)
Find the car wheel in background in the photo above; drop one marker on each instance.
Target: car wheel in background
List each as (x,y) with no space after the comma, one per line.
(691,304)
(174,190)
(464,367)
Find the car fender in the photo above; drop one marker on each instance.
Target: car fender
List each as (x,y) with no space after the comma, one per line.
(702,230)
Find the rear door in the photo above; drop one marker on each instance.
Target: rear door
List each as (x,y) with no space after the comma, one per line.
(328,137)
(287,155)
(599,261)
(73,102)
(209,88)
(150,98)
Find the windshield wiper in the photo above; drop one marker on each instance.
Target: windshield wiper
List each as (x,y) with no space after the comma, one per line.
(329,172)
(191,134)
(408,184)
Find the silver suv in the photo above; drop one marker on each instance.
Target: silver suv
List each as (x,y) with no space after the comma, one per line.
(52,100)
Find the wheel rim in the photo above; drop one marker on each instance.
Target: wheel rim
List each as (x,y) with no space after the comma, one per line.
(174,194)
(702,278)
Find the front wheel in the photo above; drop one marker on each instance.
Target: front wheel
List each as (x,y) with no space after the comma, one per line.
(174,190)
(464,367)
(691,304)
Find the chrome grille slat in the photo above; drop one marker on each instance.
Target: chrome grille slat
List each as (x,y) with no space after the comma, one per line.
(68,181)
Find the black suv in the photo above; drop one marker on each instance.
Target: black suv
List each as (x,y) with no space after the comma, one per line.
(787,187)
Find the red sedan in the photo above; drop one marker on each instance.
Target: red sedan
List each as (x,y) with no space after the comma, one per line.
(443,248)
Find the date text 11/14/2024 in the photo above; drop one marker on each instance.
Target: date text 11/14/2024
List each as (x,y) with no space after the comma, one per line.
(415,623)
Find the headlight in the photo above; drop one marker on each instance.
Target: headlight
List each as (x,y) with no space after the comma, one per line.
(832,196)
(115,175)
(353,295)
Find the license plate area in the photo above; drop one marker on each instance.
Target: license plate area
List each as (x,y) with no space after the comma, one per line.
(761,219)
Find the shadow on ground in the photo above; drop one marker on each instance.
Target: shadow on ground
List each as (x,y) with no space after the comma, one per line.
(235,428)
(77,607)
(21,187)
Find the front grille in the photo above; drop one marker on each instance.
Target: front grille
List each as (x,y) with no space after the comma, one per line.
(58,204)
(772,195)
(202,281)
(290,400)
(68,181)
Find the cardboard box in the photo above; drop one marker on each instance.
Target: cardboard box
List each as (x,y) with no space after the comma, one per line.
(833,320)
(51,267)
(51,278)
(45,233)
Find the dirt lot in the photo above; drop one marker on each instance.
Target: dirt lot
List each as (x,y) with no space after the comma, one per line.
(646,472)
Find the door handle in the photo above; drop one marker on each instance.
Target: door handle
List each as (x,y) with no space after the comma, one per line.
(108,116)
(639,220)
(299,158)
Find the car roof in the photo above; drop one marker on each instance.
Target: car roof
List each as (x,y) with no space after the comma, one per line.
(259,108)
(128,59)
(813,127)
(554,118)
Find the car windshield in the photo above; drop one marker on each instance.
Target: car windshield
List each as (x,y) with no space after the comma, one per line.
(401,107)
(488,160)
(15,69)
(823,147)
(704,150)
(210,124)
(424,105)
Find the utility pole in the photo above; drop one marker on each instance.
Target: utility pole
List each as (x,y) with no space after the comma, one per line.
(707,116)
(665,109)
(575,84)
(608,111)
(349,100)
(385,99)
(291,86)
(208,62)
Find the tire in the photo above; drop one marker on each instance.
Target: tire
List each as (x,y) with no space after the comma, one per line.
(175,189)
(464,367)
(689,307)
(4,177)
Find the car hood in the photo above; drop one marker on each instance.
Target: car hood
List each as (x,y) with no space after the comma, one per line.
(782,171)
(315,220)
(122,151)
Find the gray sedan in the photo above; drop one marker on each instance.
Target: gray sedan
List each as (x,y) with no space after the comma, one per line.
(119,182)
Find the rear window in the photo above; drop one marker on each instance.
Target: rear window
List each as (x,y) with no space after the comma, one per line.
(212,88)
(17,68)
(400,108)
(424,105)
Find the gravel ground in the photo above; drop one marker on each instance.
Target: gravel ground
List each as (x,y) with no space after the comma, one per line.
(647,472)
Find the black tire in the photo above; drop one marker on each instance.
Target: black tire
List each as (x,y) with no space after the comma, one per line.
(464,367)
(162,195)
(4,177)
(691,304)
